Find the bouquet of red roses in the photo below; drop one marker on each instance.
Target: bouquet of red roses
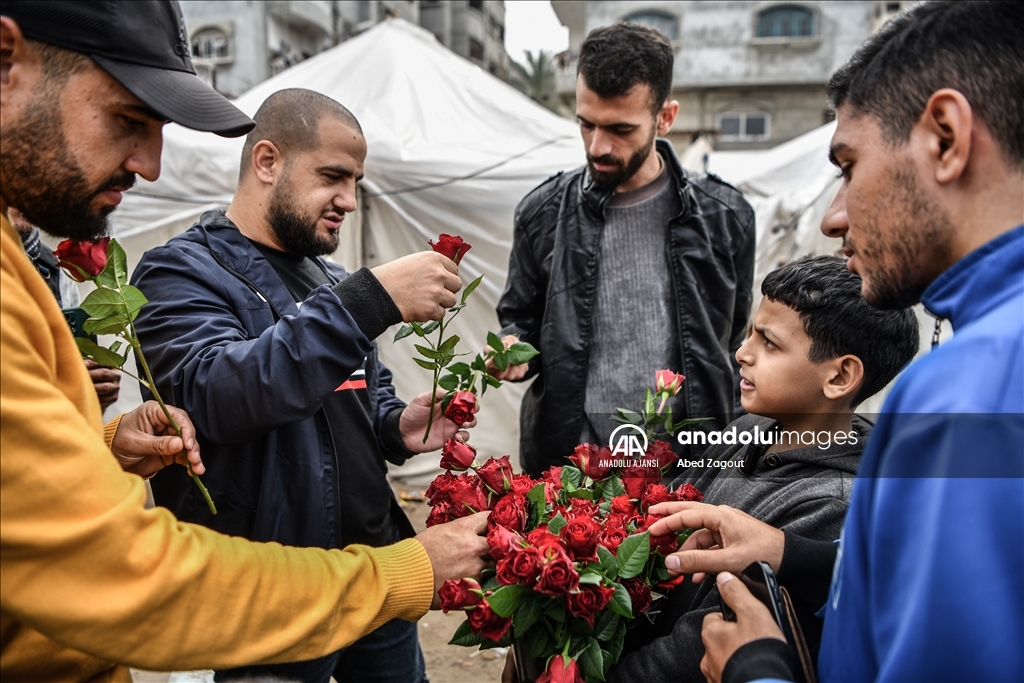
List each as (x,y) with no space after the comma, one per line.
(574,559)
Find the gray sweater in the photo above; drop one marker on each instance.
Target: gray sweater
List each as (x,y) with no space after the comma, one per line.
(805,491)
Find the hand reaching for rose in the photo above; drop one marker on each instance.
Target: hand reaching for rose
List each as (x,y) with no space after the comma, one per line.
(413,424)
(512,373)
(145,443)
(422,285)
(456,549)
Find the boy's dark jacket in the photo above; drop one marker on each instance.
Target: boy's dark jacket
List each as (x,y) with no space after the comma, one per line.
(805,491)
(228,344)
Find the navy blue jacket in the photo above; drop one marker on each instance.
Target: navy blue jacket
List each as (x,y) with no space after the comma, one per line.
(227,343)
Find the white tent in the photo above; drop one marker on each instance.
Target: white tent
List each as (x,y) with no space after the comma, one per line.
(451,149)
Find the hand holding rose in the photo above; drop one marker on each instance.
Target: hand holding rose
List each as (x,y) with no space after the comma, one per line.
(422,285)
(456,550)
(416,416)
(512,373)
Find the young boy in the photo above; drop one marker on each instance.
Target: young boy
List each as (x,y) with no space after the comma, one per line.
(815,352)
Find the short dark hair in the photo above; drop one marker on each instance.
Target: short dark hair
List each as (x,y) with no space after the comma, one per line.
(839,321)
(290,119)
(975,48)
(615,59)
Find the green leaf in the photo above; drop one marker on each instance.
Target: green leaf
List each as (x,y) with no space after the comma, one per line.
(427,352)
(581,493)
(479,365)
(470,287)
(427,365)
(606,626)
(615,649)
(94,351)
(520,353)
(403,332)
(632,555)
(591,661)
(448,382)
(556,524)
(490,584)
(592,578)
(609,565)
(102,303)
(116,258)
(494,341)
(621,603)
(492,381)
(506,599)
(431,326)
(417,328)
(133,298)
(460,369)
(537,495)
(500,361)
(448,345)
(527,615)
(112,324)
(464,636)
(571,477)
(632,416)
(537,642)
(613,487)
(556,610)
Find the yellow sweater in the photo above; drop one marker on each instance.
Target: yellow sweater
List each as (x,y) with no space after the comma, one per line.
(91,582)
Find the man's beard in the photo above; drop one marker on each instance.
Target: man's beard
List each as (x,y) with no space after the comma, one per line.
(296,231)
(918,244)
(43,181)
(609,180)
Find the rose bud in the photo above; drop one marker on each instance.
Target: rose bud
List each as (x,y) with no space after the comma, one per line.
(639,595)
(561,669)
(497,473)
(461,408)
(522,483)
(521,565)
(688,492)
(459,594)
(557,575)
(580,536)
(589,601)
(439,514)
(667,382)
(452,246)
(612,537)
(592,461)
(457,455)
(483,621)
(501,541)
(87,255)
(655,493)
(622,505)
(510,511)
(438,489)
(635,479)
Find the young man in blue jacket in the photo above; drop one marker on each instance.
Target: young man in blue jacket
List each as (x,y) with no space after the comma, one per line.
(926,583)
(272,349)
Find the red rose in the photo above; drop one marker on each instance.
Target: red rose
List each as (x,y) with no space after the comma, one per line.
(666,544)
(557,575)
(589,601)
(468,496)
(521,565)
(457,455)
(497,473)
(501,541)
(561,669)
(668,382)
(635,479)
(553,475)
(612,537)
(669,584)
(622,505)
(581,508)
(662,452)
(522,483)
(580,537)
(459,594)
(88,255)
(452,246)
(592,460)
(439,513)
(483,621)
(542,538)
(510,511)
(688,492)
(461,408)
(639,595)
(439,488)
(655,493)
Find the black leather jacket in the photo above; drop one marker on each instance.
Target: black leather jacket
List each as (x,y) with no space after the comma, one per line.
(549,299)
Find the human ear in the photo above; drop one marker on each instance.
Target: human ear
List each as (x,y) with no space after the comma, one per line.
(12,52)
(266,161)
(843,378)
(667,116)
(947,123)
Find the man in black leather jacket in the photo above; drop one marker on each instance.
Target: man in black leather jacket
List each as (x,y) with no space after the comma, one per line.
(625,263)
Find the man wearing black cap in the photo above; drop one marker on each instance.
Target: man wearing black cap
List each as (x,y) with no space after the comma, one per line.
(91,581)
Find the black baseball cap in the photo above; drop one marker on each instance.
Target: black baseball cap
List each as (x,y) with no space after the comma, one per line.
(143,45)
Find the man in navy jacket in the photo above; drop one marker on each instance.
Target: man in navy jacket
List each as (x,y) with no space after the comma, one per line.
(926,581)
(272,350)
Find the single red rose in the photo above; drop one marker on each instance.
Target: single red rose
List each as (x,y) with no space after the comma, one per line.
(623,505)
(662,452)
(668,382)
(452,246)
(688,492)
(89,255)
(635,479)
(521,566)
(542,538)
(592,460)
(459,594)
(438,489)
(522,483)
(615,520)
(561,669)
(557,575)
(553,475)
(589,601)
(666,545)
(655,493)
(483,621)
(468,496)
(639,595)
(510,511)
(461,408)
(670,584)
(497,473)
(439,513)
(580,536)
(612,537)
(501,541)
(582,508)
(457,455)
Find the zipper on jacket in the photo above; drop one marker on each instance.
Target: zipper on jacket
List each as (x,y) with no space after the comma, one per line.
(336,483)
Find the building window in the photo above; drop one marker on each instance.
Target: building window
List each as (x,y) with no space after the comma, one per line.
(477,4)
(476,49)
(211,45)
(786,21)
(743,126)
(660,21)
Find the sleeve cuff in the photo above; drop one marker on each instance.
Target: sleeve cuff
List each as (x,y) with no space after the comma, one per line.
(110,429)
(806,569)
(409,575)
(365,298)
(760,660)
(391,438)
